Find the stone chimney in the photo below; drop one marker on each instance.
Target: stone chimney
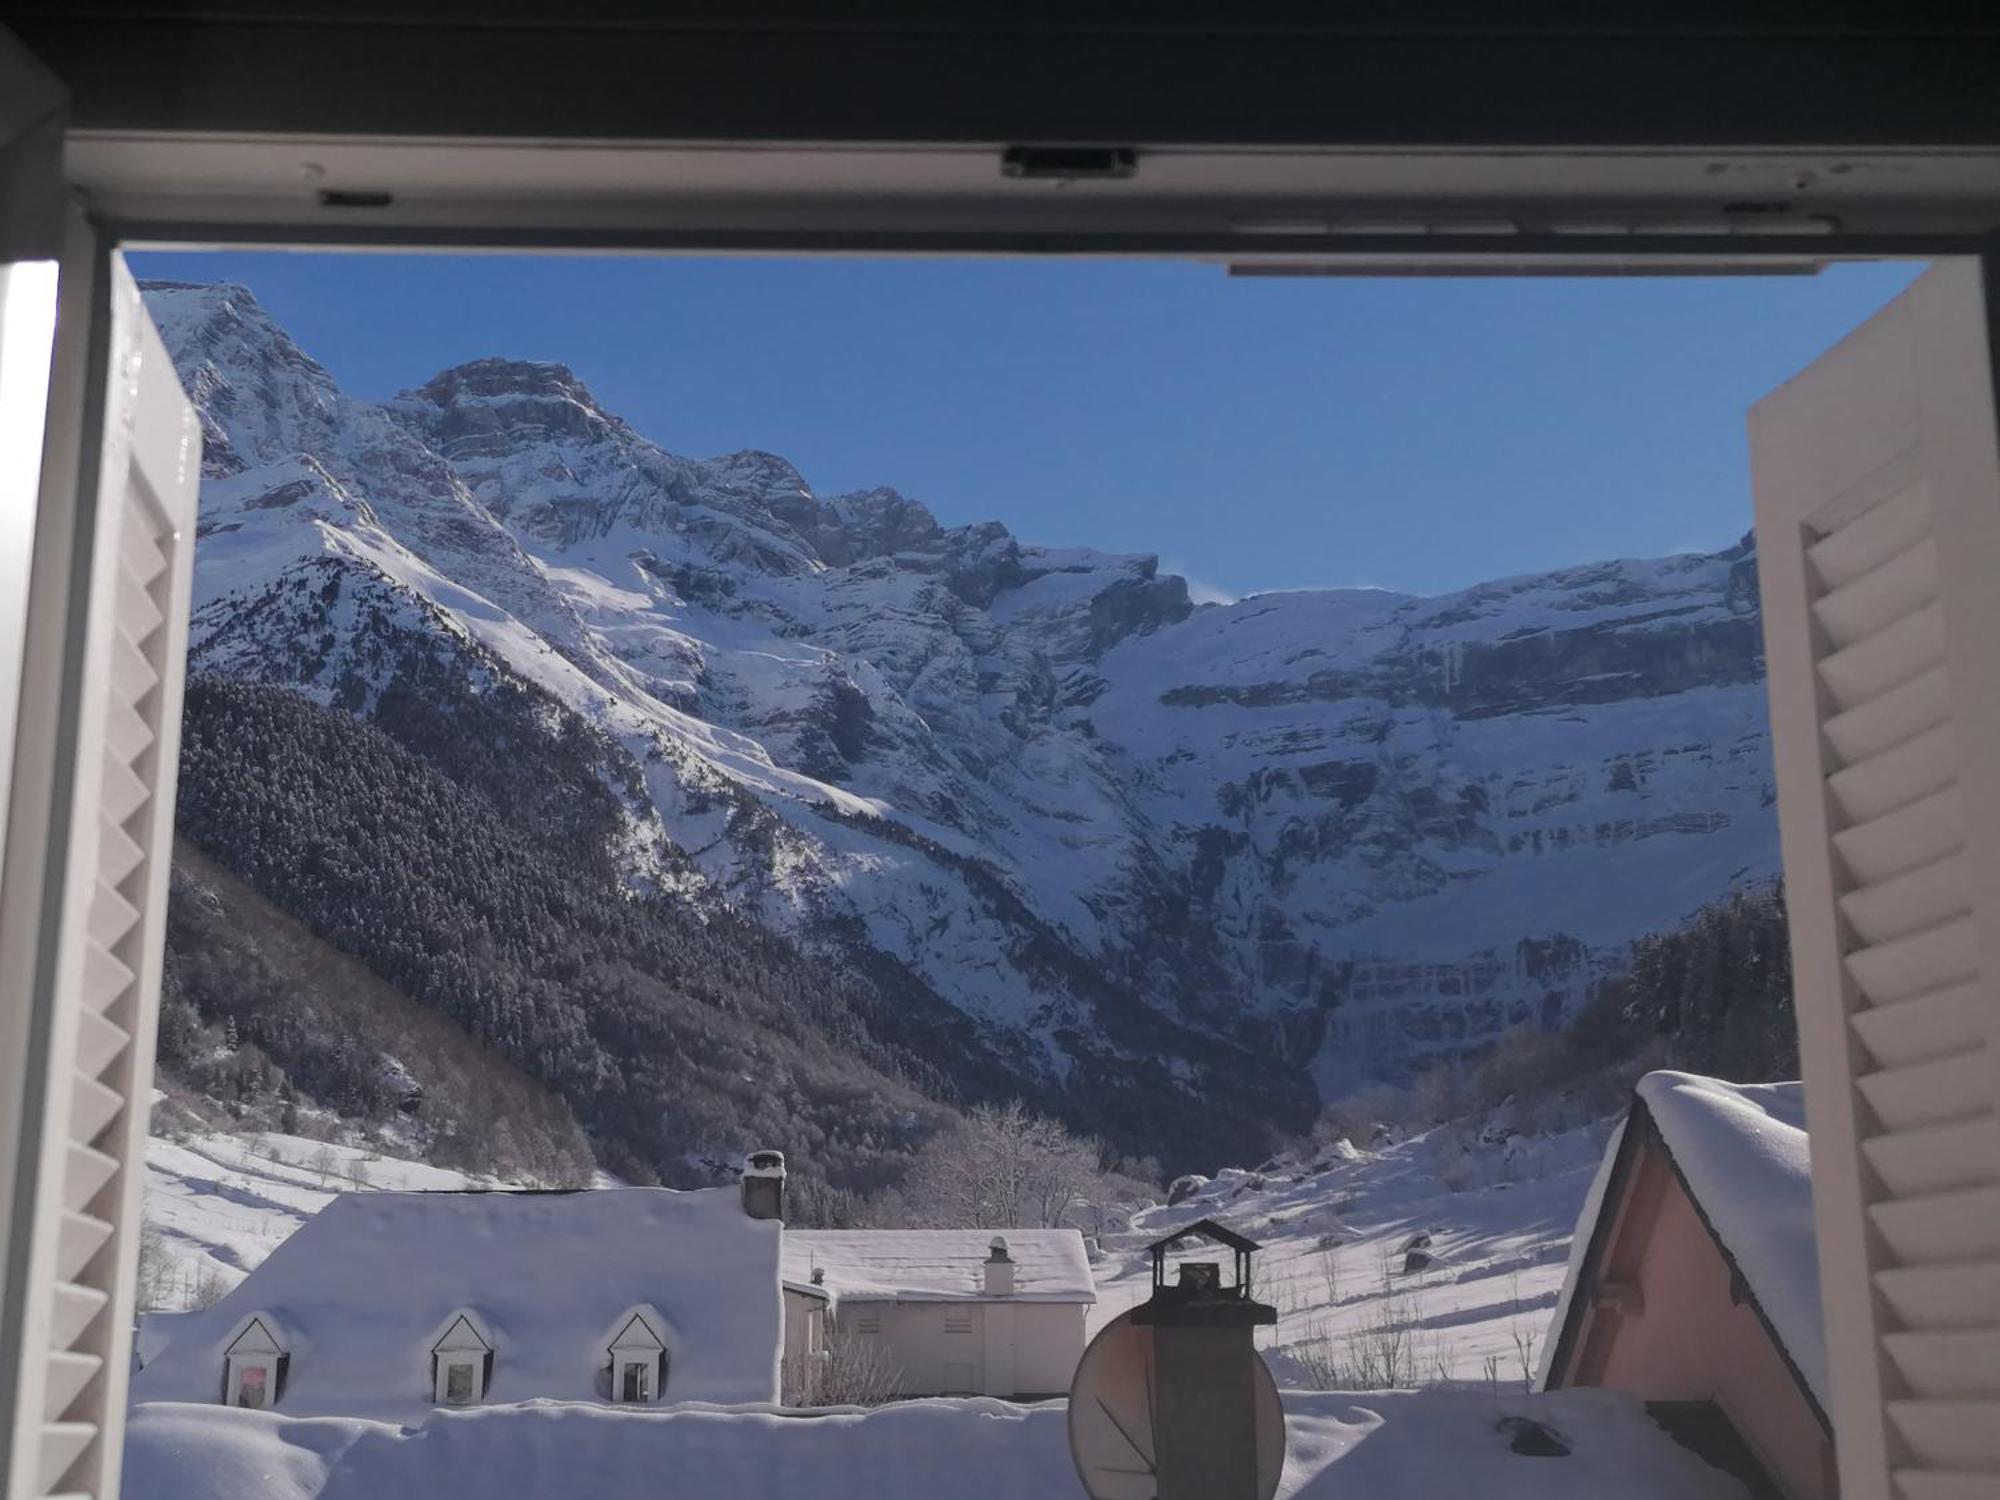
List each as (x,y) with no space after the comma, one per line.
(764,1185)
(999,1269)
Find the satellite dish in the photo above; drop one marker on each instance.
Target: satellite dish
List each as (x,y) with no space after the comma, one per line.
(1111,1409)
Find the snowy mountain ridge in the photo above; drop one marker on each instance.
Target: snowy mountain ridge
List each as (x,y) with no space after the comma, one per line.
(1249,852)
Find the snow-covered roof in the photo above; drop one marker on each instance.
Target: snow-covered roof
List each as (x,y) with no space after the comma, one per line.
(939,1265)
(1742,1151)
(365,1287)
(1379,1445)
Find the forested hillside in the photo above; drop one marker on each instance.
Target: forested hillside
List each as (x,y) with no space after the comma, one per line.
(487,896)
(265,1023)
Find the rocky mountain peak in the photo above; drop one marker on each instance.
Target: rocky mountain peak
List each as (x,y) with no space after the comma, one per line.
(490,408)
(491,378)
(260,396)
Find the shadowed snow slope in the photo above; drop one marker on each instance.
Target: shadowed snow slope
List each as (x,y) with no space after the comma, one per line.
(1365,1446)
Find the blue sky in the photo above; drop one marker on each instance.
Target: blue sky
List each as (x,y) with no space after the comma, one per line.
(1257,434)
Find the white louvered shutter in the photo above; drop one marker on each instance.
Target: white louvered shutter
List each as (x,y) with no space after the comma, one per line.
(1878,527)
(97,987)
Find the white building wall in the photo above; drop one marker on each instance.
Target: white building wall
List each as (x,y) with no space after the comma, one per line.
(996,1348)
(1048,1343)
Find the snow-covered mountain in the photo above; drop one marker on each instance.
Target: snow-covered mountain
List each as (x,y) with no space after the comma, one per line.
(1234,850)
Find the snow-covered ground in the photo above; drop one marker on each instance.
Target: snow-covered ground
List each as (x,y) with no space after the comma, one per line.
(221,1203)
(1498,1213)
(1376,1446)
(1336,1228)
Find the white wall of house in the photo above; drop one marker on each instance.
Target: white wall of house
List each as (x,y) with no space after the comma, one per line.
(986,1348)
(805,1333)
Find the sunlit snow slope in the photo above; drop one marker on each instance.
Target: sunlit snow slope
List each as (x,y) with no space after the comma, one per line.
(1234,850)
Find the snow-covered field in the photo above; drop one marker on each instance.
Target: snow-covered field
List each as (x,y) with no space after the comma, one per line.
(1335,1229)
(1498,1213)
(220,1203)
(1393,1445)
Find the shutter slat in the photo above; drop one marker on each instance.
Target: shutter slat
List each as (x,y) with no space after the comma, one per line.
(139,549)
(1949,1296)
(88,1171)
(1899,715)
(123,792)
(132,676)
(1931,960)
(1925,1027)
(1885,660)
(82,1237)
(117,853)
(1948,1364)
(62,1445)
(1871,539)
(66,1374)
(105,976)
(1877,599)
(1910,902)
(1950,1434)
(1926,830)
(1896,777)
(1952,1088)
(98,1041)
(1941,1228)
(1940,1159)
(126,736)
(112,917)
(138,611)
(75,1306)
(92,1107)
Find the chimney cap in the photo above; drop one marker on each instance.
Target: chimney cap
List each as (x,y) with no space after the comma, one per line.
(764,1164)
(999,1248)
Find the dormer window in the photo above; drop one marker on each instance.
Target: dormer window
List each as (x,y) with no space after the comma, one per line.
(461,1362)
(254,1365)
(639,1358)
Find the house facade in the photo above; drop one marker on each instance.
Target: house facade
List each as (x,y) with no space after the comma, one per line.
(955,1312)
(1694,1282)
(389,1305)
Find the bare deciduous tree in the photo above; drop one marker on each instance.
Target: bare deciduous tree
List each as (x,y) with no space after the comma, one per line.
(854,1370)
(156,1271)
(1003,1167)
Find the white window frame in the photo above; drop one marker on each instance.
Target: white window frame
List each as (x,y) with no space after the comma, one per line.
(450,1365)
(272,210)
(647,1369)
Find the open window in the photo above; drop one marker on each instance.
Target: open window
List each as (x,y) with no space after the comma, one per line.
(461,1362)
